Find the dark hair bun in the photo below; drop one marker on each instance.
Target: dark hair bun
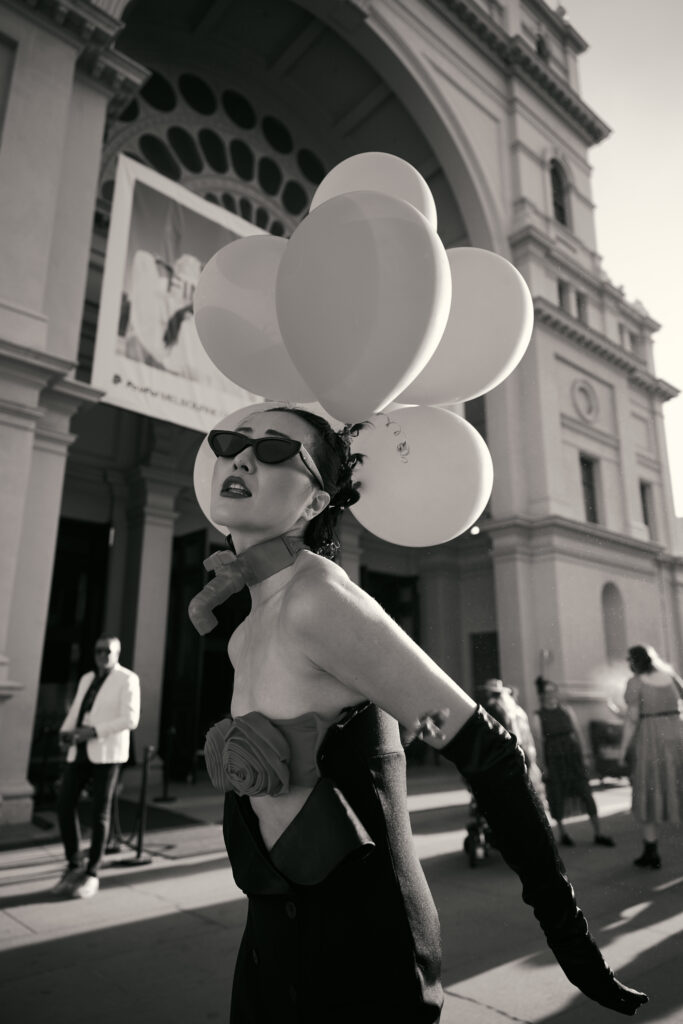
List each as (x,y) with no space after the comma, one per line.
(346,496)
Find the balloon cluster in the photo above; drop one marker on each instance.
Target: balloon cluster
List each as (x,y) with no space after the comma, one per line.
(364,313)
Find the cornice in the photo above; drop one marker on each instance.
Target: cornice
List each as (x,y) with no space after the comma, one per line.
(599,538)
(545,246)
(79,21)
(518,59)
(113,73)
(33,363)
(93,31)
(592,341)
(590,533)
(528,66)
(563,27)
(77,391)
(533,236)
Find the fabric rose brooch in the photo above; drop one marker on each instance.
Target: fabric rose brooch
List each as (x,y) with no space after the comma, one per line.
(249,755)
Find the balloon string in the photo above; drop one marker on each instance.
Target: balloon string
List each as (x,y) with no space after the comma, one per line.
(402,447)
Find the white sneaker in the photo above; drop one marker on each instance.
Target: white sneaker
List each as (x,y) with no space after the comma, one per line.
(86,888)
(67,883)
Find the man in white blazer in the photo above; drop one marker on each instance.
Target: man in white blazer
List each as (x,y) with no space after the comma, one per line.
(96,732)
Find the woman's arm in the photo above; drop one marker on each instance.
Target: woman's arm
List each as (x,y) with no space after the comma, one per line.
(345,633)
(632,700)
(630,727)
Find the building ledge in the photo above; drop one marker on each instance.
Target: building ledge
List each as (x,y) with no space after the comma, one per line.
(92,30)
(518,59)
(593,541)
(9,689)
(590,533)
(529,237)
(586,337)
(35,363)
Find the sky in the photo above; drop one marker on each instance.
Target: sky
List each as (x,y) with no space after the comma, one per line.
(632,78)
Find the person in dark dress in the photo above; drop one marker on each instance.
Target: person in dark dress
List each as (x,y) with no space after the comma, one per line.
(341,925)
(566,779)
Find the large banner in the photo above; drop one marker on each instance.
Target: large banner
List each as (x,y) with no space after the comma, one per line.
(148,356)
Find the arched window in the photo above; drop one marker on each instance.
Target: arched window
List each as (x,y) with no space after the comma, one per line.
(560,191)
(613,622)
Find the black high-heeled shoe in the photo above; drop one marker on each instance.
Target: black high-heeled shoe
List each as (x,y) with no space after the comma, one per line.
(649,858)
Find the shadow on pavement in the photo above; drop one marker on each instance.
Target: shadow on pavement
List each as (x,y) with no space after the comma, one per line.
(135,874)
(485,924)
(170,968)
(657,971)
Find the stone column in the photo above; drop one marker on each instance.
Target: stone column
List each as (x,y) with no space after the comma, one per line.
(526,588)
(20,386)
(64,72)
(116,569)
(31,590)
(151,516)
(439,592)
(632,515)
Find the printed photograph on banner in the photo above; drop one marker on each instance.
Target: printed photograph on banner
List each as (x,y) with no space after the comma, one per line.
(148,355)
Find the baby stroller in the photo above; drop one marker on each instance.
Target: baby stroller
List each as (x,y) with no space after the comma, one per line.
(478,842)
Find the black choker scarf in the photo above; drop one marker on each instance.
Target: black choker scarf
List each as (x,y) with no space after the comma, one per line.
(234,572)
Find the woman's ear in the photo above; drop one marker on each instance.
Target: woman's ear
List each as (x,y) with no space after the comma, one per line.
(319,503)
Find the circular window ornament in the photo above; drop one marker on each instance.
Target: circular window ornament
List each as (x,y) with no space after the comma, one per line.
(585,400)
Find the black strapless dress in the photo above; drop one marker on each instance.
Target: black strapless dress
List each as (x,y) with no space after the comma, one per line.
(361,946)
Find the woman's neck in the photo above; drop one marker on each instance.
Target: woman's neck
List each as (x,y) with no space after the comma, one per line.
(267,564)
(243,542)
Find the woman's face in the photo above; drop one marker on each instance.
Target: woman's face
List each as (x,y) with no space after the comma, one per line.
(257,500)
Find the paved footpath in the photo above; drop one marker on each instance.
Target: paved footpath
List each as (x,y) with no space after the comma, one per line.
(158,943)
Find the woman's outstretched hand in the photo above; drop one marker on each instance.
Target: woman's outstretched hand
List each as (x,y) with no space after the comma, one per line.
(620,998)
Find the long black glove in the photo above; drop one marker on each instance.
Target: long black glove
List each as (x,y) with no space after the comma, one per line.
(493,764)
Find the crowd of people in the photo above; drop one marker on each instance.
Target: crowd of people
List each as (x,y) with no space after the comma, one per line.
(650,753)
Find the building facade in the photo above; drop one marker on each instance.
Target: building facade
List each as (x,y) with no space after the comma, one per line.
(248,104)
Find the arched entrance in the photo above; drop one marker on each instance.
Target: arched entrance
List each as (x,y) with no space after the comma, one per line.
(251,103)
(248,105)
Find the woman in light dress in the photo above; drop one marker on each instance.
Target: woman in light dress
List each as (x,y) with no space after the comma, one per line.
(654,724)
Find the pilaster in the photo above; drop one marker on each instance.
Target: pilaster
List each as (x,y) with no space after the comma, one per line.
(25,586)
(438,587)
(151,515)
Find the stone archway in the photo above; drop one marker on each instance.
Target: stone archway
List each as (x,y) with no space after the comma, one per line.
(251,104)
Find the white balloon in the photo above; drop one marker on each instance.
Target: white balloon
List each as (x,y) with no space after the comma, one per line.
(205,460)
(234,311)
(488,330)
(378,172)
(362,297)
(426,476)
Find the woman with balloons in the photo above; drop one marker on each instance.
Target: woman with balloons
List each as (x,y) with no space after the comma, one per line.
(341,925)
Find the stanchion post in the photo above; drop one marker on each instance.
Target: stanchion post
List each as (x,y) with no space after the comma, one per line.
(114,839)
(141,857)
(168,753)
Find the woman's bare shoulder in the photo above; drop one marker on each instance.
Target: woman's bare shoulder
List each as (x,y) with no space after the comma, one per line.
(319,588)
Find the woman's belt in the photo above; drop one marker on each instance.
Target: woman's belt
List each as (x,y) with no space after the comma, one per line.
(659,714)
